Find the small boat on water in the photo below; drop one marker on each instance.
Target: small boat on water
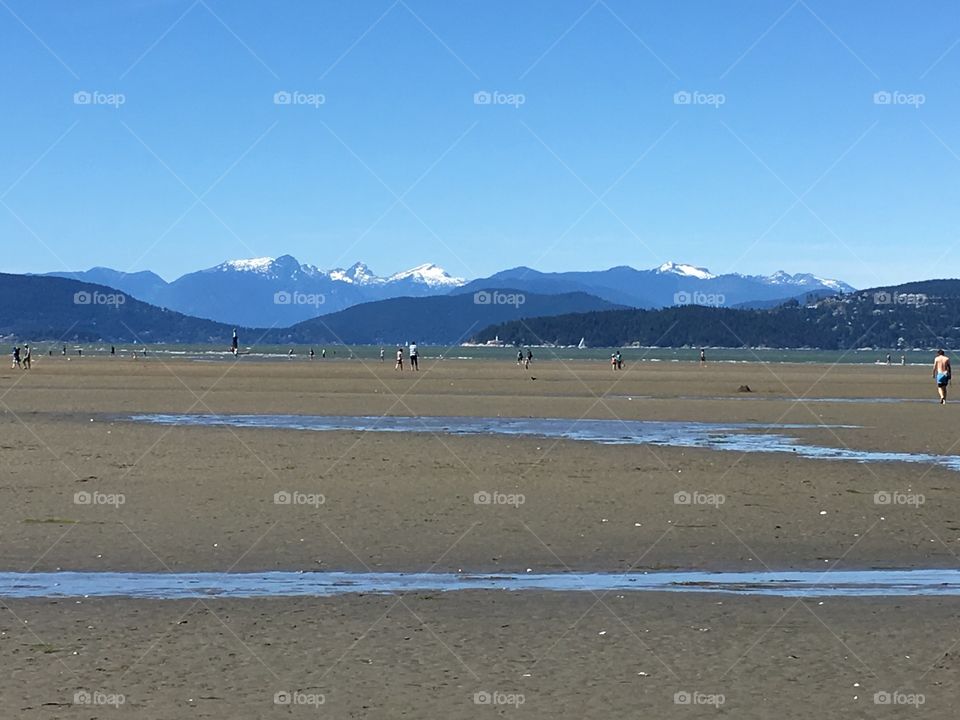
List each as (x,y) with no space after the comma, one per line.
(582,345)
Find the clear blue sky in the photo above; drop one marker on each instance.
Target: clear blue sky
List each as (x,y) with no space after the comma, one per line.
(799,168)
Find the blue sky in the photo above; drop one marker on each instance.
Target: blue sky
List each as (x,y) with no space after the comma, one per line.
(585,157)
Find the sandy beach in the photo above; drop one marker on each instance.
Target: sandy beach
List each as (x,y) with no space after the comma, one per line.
(154,498)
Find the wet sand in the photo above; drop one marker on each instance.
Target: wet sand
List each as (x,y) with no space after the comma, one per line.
(203,499)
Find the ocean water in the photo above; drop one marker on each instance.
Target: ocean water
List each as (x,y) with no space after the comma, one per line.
(505,354)
(169,586)
(734,437)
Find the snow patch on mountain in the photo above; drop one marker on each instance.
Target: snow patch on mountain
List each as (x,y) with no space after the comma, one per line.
(263,264)
(430,275)
(685,270)
(358,274)
(784,278)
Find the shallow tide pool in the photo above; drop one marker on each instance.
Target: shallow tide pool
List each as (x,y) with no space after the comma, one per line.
(737,437)
(171,586)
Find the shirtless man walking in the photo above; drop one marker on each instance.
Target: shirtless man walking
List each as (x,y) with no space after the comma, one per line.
(941,373)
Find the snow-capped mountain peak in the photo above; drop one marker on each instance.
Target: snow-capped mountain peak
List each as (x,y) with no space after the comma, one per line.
(784,278)
(356,274)
(686,271)
(359,274)
(262,264)
(430,275)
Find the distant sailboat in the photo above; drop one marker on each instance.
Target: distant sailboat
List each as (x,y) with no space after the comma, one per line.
(582,345)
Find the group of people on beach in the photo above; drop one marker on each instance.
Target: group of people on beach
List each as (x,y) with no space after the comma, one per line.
(524,360)
(616,361)
(22,358)
(414,357)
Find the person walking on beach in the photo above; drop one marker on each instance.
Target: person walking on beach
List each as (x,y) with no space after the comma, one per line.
(27,357)
(888,358)
(312,353)
(235,343)
(381,354)
(619,359)
(519,358)
(16,358)
(414,357)
(903,360)
(526,364)
(703,357)
(941,373)
(399,365)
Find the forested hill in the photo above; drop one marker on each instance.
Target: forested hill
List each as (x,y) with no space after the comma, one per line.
(919,314)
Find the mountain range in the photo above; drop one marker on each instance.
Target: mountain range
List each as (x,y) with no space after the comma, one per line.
(42,308)
(269,292)
(914,315)
(922,314)
(281,292)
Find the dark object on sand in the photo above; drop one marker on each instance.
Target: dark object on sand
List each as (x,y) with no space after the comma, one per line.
(744,388)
